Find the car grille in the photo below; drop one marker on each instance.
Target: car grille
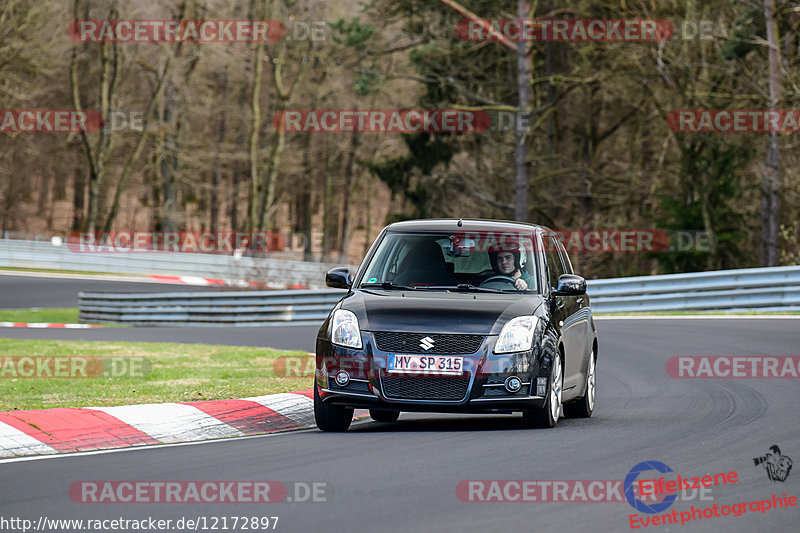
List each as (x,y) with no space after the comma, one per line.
(426,387)
(390,341)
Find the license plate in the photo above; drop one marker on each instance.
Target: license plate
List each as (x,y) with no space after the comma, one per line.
(429,364)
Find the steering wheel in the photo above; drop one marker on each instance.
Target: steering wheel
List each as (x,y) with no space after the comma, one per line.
(507,279)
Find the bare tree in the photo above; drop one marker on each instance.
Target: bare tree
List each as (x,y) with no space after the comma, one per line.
(97,152)
(770,190)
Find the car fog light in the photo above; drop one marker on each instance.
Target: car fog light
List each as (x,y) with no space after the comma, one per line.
(513,384)
(342,378)
(541,386)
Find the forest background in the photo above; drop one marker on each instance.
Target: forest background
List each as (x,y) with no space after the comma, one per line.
(596,152)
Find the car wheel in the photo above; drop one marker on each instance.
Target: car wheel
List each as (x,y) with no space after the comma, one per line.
(547,416)
(585,405)
(379,415)
(330,417)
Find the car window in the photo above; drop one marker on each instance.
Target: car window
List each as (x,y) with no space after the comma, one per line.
(565,258)
(555,267)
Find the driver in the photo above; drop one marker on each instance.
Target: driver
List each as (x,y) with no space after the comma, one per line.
(506,263)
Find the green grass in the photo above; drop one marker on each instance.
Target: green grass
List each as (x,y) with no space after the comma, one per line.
(67,315)
(177,373)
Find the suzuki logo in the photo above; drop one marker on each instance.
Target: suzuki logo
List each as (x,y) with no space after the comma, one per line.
(426,343)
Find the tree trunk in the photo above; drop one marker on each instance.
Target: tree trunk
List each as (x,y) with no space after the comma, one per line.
(167,164)
(79,198)
(97,154)
(240,170)
(328,226)
(234,201)
(256,184)
(268,193)
(156,99)
(524,67)
(349,177)
(770,190)
(216,176)
(304,203)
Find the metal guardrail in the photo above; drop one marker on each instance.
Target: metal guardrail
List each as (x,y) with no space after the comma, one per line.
(234,308)
(758,288)
(773,288)
(277,271)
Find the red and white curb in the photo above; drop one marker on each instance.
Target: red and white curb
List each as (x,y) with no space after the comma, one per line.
(196,280)
(187,280)
(46,325)
(49,431)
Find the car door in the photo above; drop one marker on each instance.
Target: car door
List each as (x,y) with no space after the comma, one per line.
(568,314)
(582,320)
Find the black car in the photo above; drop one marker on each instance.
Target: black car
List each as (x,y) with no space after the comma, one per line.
(460,316)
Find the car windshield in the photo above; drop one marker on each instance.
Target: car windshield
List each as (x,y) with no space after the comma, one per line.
(468,261)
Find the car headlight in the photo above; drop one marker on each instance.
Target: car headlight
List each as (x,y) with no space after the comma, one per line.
(516,335)
(344,329)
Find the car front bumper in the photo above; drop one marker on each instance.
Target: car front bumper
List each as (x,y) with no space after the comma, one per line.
(478,389)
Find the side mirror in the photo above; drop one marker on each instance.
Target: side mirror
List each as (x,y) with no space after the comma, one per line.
(570,285)
(338,278)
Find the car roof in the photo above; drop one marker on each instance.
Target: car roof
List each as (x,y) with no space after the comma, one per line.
(467,224)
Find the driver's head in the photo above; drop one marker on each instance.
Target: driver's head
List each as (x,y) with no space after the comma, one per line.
(505,261)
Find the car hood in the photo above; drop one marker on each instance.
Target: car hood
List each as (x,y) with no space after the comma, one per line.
(437,311)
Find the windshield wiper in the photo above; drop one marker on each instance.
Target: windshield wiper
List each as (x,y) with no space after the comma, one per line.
(466,287)
(387,285)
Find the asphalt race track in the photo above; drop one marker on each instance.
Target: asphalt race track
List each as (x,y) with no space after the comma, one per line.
(24,292)
(403,476)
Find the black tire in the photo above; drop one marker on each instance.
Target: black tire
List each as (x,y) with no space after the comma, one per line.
(330,417)
(379,415)
(548,415)
(584,407)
